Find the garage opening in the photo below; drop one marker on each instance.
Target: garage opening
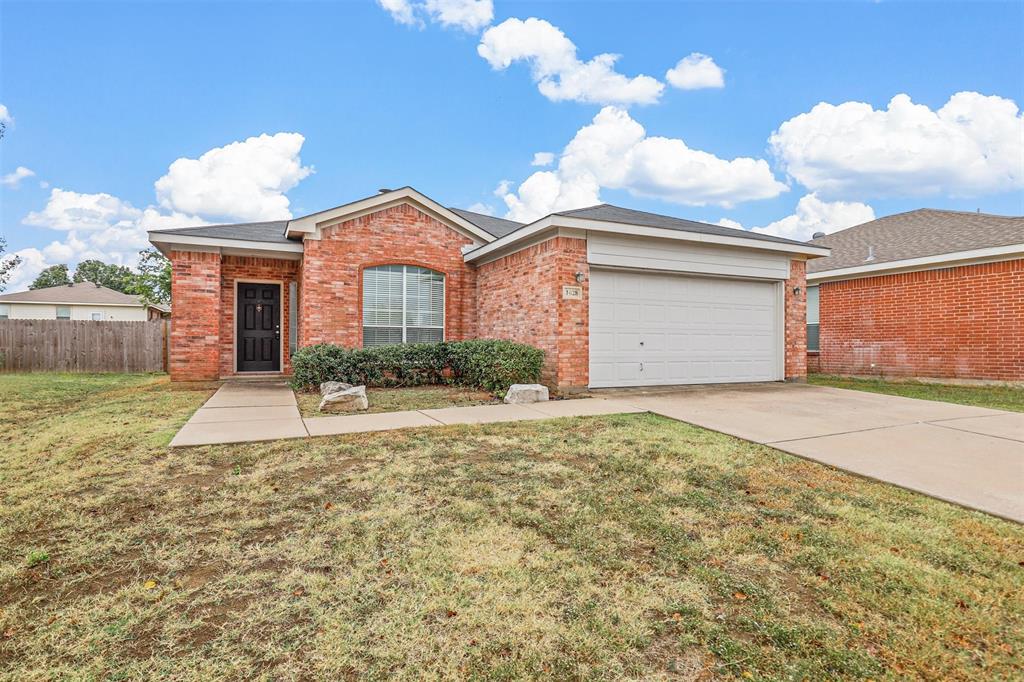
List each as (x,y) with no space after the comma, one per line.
(653,328)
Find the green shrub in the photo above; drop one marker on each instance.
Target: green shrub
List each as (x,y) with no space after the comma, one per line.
(492,365)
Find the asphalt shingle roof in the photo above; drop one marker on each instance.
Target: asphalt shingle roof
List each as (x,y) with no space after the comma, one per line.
(270,231)
(498,227)
(916,234)
(617,214)
(84,292)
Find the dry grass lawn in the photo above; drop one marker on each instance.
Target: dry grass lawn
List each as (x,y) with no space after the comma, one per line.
(595,548)
(410,398)
(997,397)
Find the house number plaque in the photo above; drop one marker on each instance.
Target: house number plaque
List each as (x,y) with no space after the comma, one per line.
(572,293)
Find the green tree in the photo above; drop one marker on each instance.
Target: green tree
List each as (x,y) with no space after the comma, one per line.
(116,277)
(153,281)
(53,276)
(7,265)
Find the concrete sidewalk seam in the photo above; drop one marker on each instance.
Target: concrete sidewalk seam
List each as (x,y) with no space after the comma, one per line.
(976,433)
(837,433)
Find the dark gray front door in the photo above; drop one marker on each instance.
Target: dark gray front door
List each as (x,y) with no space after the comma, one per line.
(259,327)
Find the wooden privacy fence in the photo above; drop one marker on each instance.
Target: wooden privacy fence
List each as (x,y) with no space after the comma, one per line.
(83,346)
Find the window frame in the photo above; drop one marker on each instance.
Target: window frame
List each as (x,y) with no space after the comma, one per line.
(58,309)
(5,311)
(405,326)
(817,323)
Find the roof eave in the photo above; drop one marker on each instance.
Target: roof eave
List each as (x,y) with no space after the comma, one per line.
(939,261)
(553,221)
(165,242)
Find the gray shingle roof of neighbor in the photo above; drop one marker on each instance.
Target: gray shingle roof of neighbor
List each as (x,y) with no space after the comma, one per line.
(916,234)
(269,231)
(629,216)
(498,227)
(83,292)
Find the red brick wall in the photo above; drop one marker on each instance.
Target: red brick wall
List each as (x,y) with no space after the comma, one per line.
(331,273)
(195,316)
(251,269)
(796,321)
(520,300)
(964,322)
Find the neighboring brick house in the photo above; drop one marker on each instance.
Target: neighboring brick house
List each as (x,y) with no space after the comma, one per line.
(614,297)
(928,293)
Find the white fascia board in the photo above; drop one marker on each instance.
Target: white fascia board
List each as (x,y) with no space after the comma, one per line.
(556,221)
(310,224)
(168,241)
(945,260)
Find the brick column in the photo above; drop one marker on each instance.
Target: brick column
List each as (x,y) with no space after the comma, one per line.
(195,316)
(796,322)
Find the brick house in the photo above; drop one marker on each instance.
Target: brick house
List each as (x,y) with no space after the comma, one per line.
(928,293)
(615,297)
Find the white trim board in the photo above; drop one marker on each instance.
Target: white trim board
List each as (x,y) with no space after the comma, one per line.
(993,254)
(312,224)
(165,241)
(510,242)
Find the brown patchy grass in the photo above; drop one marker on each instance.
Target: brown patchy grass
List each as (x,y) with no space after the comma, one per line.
(998,397)
(406,398)
(601,548)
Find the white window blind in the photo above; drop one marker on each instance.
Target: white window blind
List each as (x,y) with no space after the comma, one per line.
(402,304)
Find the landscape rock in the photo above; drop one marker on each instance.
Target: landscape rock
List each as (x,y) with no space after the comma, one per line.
(351,399)
(523,394)
(329,387)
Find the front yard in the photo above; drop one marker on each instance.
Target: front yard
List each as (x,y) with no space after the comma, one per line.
(601,548)
(407,398)
(997,397)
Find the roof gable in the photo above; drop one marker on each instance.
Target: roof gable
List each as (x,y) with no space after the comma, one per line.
(311,225)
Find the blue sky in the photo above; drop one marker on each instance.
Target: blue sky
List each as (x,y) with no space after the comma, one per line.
(102,98)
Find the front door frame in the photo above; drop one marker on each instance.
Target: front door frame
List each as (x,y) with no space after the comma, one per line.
(237,324)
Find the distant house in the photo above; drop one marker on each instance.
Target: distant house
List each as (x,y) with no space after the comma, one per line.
(928,293)
(83,301)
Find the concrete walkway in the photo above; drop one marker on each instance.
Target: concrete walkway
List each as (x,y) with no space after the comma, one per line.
(247,412)
(972,456)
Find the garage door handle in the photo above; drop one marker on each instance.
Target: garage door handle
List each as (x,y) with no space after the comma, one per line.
(641,366)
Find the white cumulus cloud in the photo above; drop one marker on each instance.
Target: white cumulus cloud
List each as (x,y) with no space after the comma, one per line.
(973,144)
(615,152)
(193,192)
(243,180)
(480,207)
(556,69)
(468,15)
(5,115)
(14,178)
(543,159)
(401,11)
(814,215)
(696,71)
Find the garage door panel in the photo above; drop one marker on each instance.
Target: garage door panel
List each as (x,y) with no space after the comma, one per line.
(657,328)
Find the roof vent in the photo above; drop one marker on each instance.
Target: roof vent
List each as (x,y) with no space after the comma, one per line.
(871,254)
(383,190)
(71,284)
(817,235)
(97,285)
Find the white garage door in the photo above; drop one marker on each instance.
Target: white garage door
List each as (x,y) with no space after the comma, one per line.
(651,328)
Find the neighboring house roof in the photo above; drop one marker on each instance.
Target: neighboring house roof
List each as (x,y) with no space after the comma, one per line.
(270,231)
(84,293)
(926,232)
(499,227)
(616,214)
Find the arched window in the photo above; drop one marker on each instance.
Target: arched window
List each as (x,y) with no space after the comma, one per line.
(402,304)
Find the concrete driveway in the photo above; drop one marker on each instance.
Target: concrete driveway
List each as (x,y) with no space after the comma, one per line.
(972,456)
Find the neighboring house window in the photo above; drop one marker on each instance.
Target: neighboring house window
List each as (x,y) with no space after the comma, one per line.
(63,312)
(5,311)
(97,317)
(402,304)
(812,318)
